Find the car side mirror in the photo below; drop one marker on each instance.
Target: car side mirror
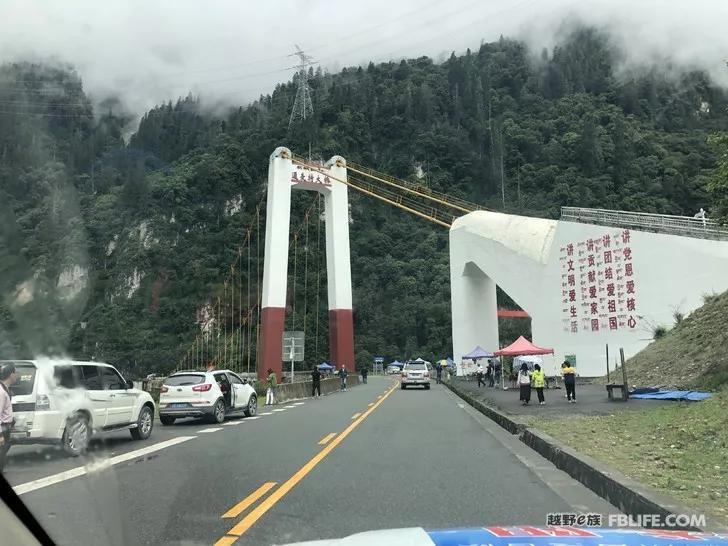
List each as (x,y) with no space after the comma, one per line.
(129,384)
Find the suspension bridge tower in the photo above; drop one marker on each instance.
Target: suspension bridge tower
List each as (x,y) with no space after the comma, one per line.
(285,175)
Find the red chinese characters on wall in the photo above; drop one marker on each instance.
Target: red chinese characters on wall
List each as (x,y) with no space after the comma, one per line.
(598,285)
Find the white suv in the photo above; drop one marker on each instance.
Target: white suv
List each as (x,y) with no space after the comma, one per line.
(66,402)
(415,372)
(214,395)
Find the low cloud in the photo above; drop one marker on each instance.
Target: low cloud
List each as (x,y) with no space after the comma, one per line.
(229,51)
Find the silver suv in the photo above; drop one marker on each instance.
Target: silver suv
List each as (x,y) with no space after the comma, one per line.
(415,372)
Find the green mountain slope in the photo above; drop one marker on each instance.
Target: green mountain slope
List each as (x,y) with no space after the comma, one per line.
(113,249)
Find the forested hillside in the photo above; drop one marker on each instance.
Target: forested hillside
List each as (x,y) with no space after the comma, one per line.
(110,249)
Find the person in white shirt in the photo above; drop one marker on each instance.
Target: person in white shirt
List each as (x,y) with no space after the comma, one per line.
(479,374)
(8,377)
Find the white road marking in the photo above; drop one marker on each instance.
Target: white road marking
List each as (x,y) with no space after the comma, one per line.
(290,406)
(233,423)
(280,409)
(256,417)
(461,405)
(266,413)
(298,403)
(204,430)
(94,467)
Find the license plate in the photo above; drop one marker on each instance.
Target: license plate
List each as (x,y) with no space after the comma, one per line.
(179,405)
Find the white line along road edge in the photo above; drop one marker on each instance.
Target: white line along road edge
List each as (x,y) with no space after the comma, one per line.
(96,466)
(214,429)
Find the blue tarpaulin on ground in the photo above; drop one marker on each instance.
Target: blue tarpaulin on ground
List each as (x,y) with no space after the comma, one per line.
(693,396)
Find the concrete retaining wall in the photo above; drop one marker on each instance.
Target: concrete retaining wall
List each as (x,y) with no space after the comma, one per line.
(302,389)
(285,391)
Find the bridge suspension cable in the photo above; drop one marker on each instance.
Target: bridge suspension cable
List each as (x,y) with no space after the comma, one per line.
(400,201)
(417,189)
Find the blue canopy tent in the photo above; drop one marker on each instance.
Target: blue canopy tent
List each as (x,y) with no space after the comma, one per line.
(478,353)
(325,366)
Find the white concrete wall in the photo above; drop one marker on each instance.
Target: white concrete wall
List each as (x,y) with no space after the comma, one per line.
(528,258)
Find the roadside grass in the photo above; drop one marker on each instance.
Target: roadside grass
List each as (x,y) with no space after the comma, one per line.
(680,449)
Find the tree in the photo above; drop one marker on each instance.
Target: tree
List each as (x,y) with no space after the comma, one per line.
(718,185)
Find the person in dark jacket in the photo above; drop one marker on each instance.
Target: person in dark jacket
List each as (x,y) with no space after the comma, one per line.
(524,382)
(569,381)
(316,379)
(364,374)
(343,374)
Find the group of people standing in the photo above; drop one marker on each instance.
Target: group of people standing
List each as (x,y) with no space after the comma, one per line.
(272,383)
(490,375)
(528,380)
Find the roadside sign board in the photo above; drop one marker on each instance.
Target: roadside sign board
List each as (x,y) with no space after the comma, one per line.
(293,344)
(378,359)
(571,359)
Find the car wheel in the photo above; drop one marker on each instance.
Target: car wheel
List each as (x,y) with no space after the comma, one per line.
(218,412)
(403,386)
(252,408)
(166,420)
(427,387)
(145,423)
(76,435)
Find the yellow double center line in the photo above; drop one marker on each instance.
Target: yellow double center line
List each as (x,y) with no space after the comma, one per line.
(248,521)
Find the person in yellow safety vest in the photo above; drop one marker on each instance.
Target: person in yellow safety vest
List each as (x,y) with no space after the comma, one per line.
(538,380)
(569,380)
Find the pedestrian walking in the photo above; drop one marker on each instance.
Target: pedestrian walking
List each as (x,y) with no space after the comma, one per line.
(343,374)
(538,382)
(489,374)
(497,370)
(316,382)
(270,395)
(524,382)
(479,374)
(8,377)
(569,381)
(438,372)
(364,374)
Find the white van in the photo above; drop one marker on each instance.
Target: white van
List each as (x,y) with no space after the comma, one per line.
(66,402)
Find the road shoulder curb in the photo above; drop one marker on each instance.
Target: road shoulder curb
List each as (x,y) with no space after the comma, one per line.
(630,496)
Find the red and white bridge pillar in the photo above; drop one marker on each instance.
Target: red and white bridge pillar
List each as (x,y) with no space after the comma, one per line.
(284,176)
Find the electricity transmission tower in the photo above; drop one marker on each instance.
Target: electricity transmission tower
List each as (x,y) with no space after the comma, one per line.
(302,106)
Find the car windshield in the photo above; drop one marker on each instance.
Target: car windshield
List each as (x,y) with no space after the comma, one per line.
(184,379)
(202,203)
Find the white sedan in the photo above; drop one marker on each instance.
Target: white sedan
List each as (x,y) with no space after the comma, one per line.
(214,395)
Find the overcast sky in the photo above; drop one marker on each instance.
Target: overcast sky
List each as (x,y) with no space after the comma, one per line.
(148,51)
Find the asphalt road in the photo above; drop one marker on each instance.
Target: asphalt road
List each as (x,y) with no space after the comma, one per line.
(392,459)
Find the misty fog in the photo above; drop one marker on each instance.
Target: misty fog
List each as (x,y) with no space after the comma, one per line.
(231,51)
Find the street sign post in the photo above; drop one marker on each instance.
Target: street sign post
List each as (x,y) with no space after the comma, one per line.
(293,345)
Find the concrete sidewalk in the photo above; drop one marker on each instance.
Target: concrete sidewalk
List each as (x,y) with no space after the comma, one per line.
(592,400)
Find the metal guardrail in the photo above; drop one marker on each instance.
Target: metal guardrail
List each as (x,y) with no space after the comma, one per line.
(701,228)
